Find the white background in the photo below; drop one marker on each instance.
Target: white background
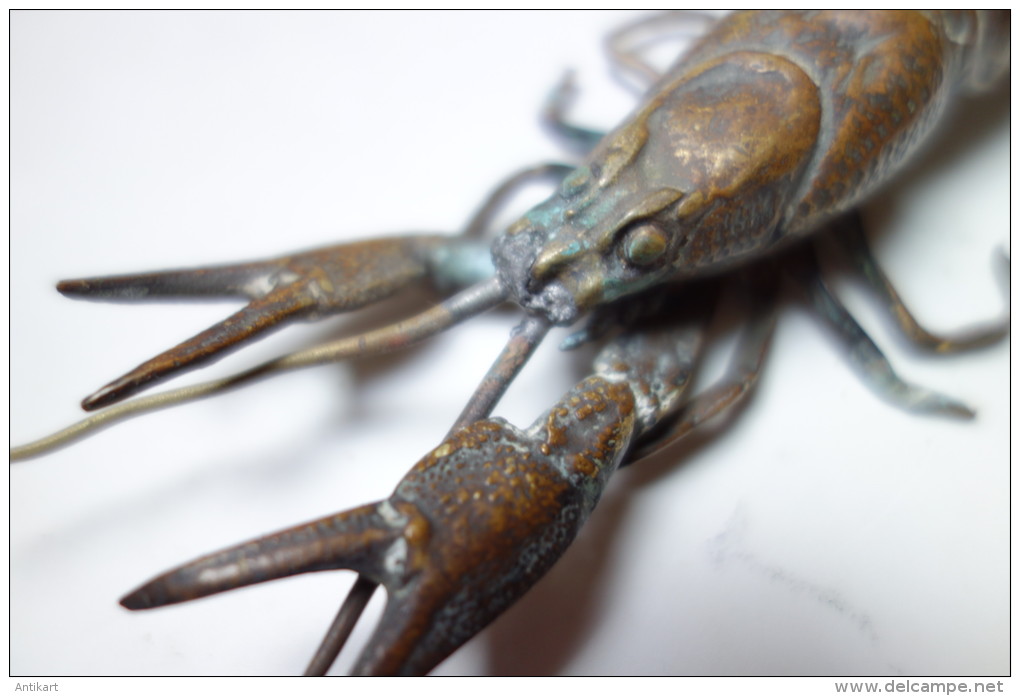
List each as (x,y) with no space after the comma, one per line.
(822,532)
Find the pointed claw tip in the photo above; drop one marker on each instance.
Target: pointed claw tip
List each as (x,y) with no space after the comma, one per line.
(139,599)
(72,287)
(104,397)
(117,390)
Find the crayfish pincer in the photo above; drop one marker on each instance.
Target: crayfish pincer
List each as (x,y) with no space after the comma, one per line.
(471,527)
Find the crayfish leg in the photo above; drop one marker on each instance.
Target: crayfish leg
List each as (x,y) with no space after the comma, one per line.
(864,354)
(851,236)
(579,138)
(483,219)
(739,379)
(626,44)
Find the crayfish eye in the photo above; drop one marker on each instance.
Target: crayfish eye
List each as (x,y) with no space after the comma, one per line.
(644,244)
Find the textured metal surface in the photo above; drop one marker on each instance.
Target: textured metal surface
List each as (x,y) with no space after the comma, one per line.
(868,405)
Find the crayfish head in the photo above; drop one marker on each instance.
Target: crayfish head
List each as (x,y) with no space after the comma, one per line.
(591,243)
(699,180)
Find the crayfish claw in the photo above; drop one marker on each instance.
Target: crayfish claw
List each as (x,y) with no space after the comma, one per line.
(308,285)
(470,528)
(355,539)
(236,280)
(250,323)
(477,521)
